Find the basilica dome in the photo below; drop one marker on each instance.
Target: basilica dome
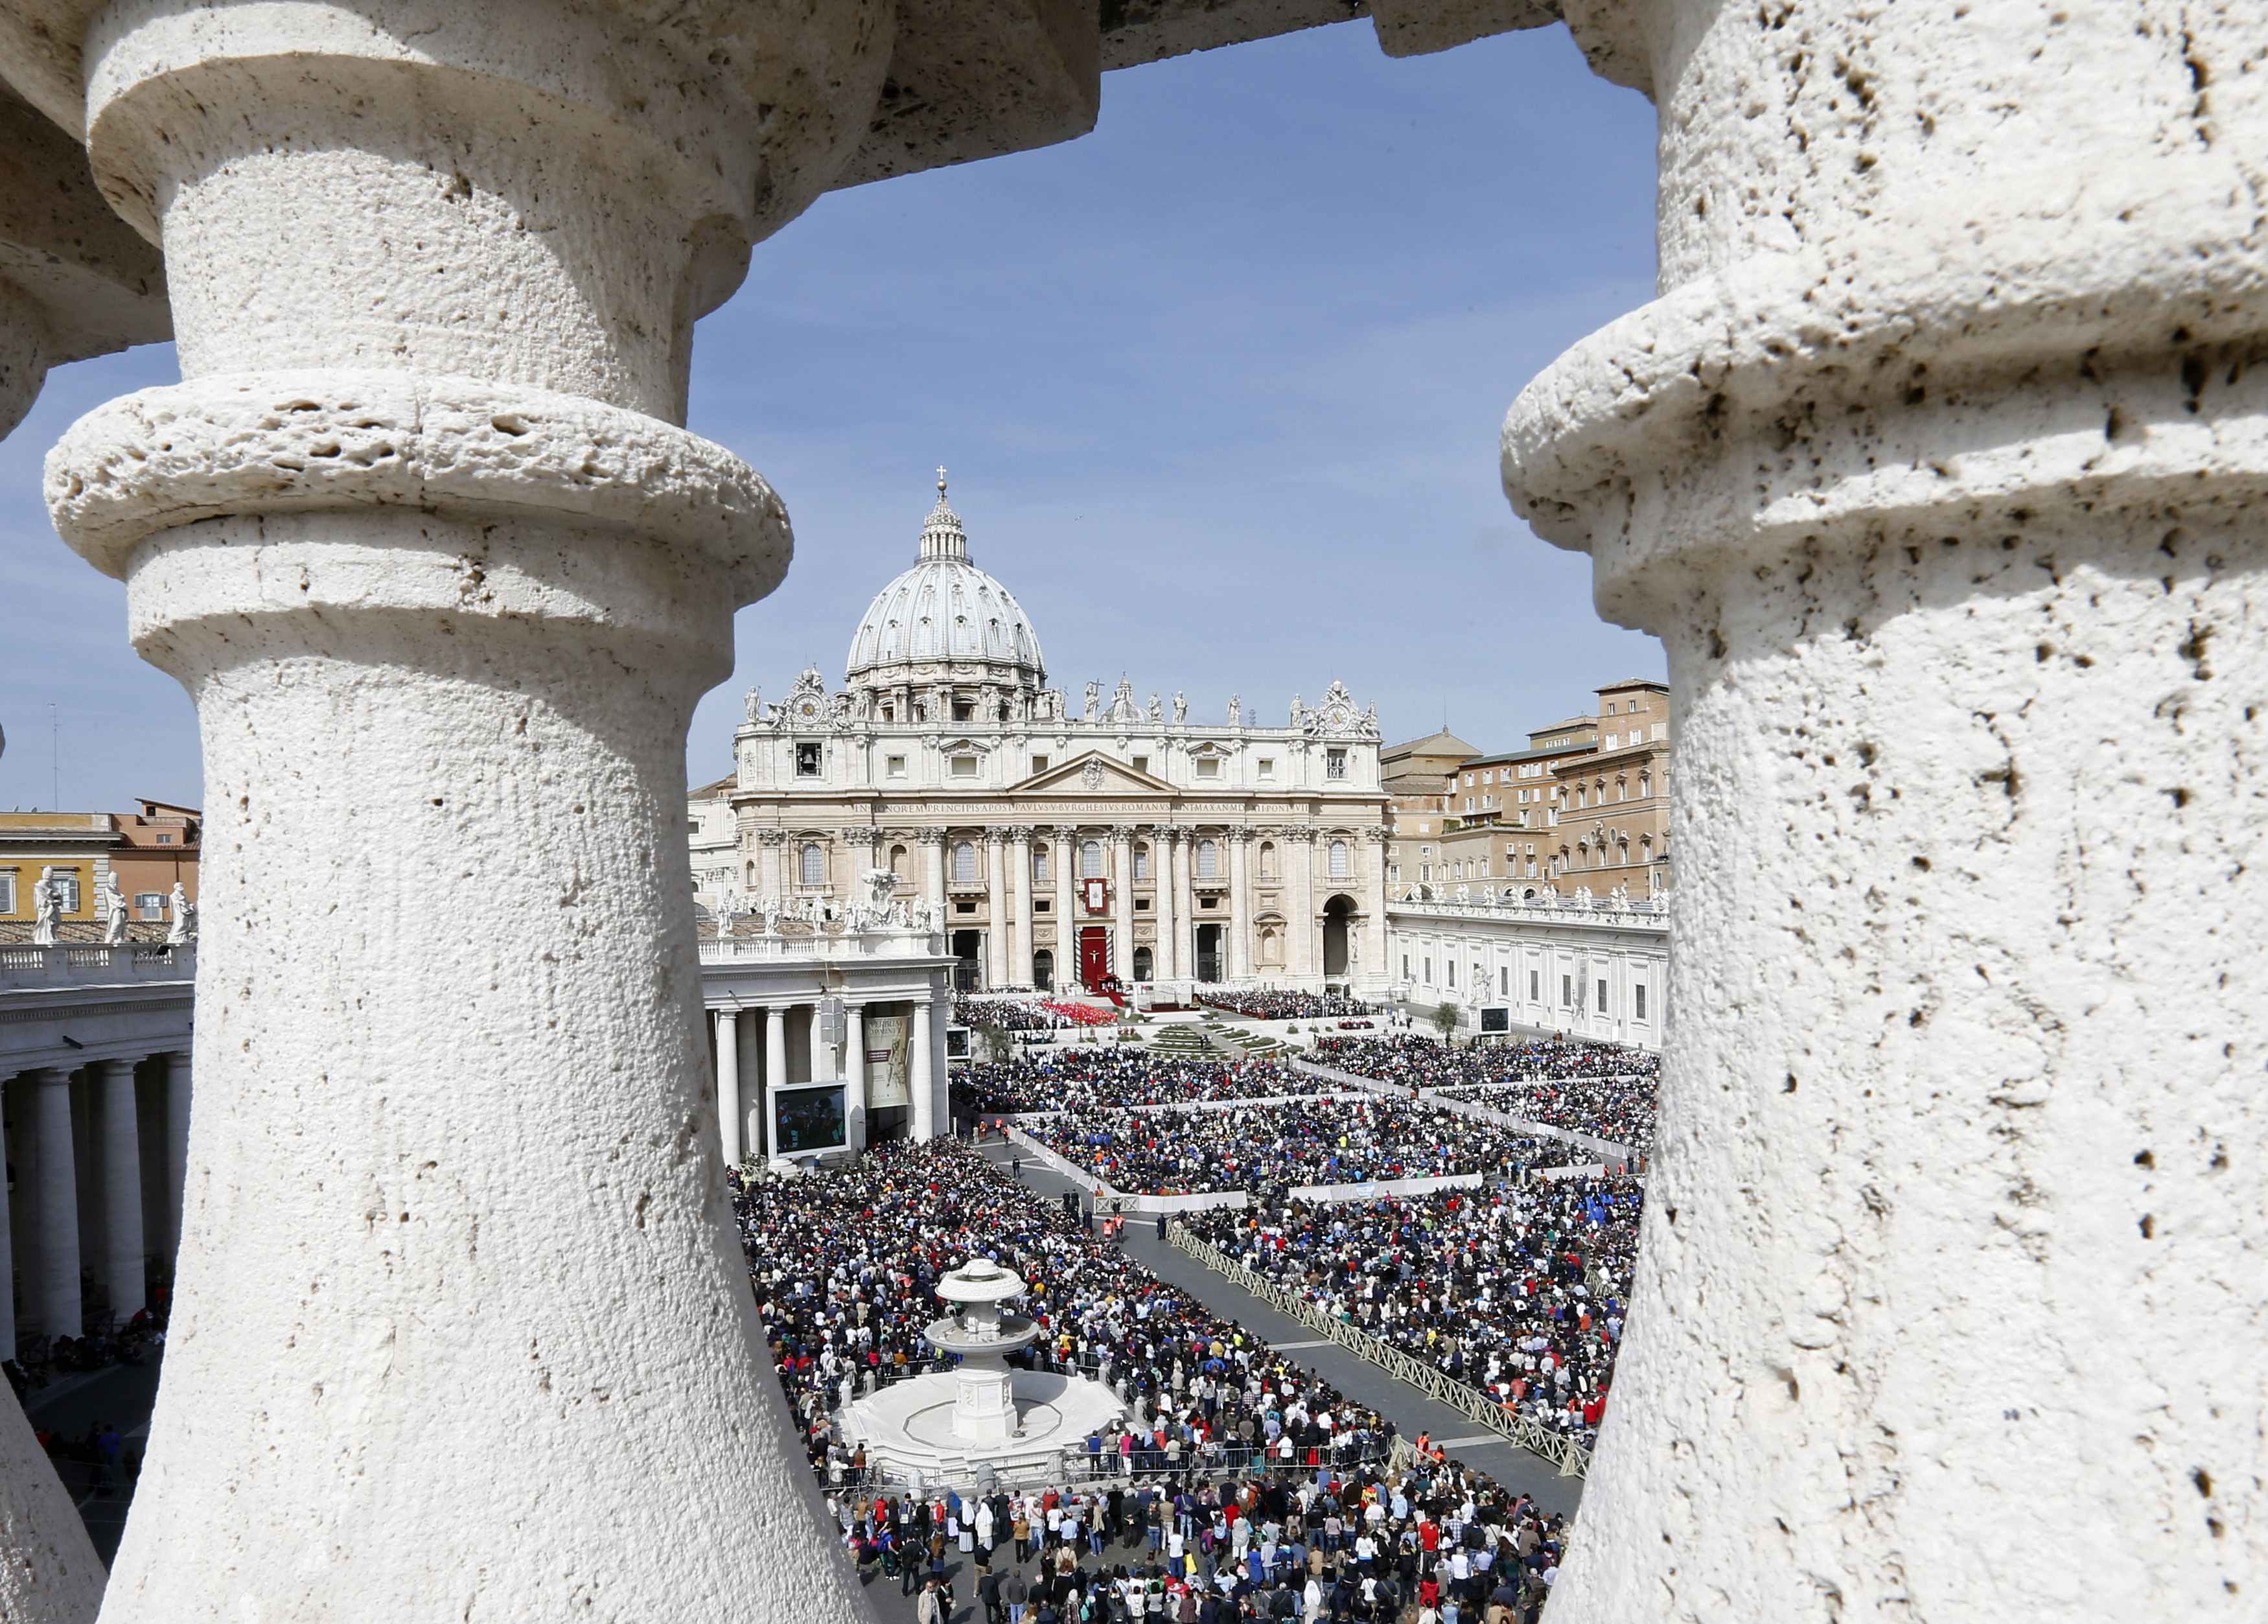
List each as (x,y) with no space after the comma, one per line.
(945,611)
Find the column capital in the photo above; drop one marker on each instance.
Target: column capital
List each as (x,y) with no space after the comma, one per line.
(933,836)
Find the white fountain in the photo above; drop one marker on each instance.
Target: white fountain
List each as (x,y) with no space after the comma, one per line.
(944,1425)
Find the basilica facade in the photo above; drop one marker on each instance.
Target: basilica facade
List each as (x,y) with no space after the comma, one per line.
(1053,841)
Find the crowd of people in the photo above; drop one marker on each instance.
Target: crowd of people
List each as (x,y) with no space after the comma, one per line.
(1222,1431)
(1121,1078)
(1264,1004)
(1330,1140)
(1601,1089)
(1435,1543)
(1517,1291)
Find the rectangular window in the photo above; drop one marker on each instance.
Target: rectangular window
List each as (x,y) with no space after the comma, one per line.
(964,766)
(1503,981)
(894,766)
(1535,986)
(963,710)
(1334,763)
(1429,973)
(1040,864)
(1141,863)
(1638,1000)
(1405,967)
(964,907)
(1141,904)
(1040,906)
(1449,968)
(1267,767)
(151,904)
(1602,996)
(807,759)
(1141,764)
(7,893)
(1566,992)
(1039,764)
(165,839)
(1208,767)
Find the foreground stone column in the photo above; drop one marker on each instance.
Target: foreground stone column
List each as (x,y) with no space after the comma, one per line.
(1938,468)
(420,535)
(58,1263)
(125,1252)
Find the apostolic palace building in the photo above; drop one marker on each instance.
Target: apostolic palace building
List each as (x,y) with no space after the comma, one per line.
(1051,840)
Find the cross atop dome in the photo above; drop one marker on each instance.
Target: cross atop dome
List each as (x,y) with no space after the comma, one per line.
(942,537)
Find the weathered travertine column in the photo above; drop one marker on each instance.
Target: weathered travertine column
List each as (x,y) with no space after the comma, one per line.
(1020,870)
(57,1171)
(1240,905)
(1938,467)
(422,537)
(1302,961)
(125,1253)
(932,845)
(775,1071)
(1121,878)
(1067,907)
(996,910)
(854,1077)
(728,1083)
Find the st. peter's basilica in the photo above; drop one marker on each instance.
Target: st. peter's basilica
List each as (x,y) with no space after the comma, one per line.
(1052,841)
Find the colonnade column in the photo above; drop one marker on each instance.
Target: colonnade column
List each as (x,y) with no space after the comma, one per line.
(456,570)
(775,1072)
(57,1285)
(924,1090)
(125,1250)
(179,1093)
(728,1084)
(996,910)
(1020,870)
(854,1077)
(1165,857)
(1239,903)
(1945,501)
(1122,869)
(1066,908)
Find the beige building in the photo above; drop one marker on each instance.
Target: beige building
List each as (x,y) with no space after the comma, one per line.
(1417,776)
(1052,841)
(1585,806)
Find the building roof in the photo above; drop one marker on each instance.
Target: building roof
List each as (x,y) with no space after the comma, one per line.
(1633,682)
(1442,743)
(725,786)
(944,608)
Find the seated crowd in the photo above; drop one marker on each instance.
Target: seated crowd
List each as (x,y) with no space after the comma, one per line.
(1620,1109)
(1263,1004)
(1257,1148)
(1437,1543)
(1120,1078)
(1517,1291)
(1223,1430)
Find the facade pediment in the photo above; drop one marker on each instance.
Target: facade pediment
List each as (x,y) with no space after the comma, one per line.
(1092,773)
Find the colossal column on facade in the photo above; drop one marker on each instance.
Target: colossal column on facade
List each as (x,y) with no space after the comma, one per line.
(1239,903)
(996,910)
(1165,874)
(775,863)
(932,849)
(1122,871)
(1368,854)
(420,534)
(1066,907)
(1019,871)
(1938,467)
(1303,959)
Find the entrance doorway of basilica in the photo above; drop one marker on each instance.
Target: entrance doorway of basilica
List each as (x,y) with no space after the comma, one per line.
(968,948)
(1043,970)
(1094,955)
(1208,952)
(1337,912)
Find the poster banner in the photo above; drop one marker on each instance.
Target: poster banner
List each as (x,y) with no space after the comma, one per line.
(889,1069)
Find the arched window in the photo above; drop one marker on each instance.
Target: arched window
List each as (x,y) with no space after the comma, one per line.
(1267,860)
(1142,964)
(1141,868)
(1044,969)
(1338,859)
(814,863)
(899,862)
(964,862)
(1208,861)
(1040,864)
(1090,861)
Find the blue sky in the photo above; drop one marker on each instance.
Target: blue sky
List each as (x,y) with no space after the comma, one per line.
(1218,385)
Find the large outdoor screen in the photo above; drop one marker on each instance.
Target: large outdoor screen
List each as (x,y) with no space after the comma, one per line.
(807,1120)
